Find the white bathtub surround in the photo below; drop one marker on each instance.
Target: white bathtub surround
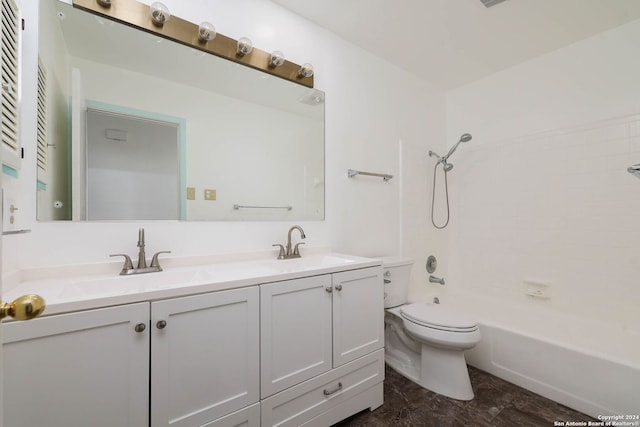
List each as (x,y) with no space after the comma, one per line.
(542,194)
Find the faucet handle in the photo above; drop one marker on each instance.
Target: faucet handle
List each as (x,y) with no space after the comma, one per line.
(296,250)
(155,262)
(281,253)
(128,265)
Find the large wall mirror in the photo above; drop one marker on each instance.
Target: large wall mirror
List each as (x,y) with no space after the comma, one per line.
(135,127)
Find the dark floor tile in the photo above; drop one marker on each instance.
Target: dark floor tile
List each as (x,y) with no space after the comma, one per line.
(497,403)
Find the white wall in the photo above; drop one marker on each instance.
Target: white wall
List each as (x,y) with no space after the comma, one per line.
(541,193)
(371,105)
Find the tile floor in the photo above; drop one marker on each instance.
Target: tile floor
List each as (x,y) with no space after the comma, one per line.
(497,404)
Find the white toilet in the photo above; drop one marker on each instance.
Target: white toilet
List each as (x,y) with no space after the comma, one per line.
(425,342)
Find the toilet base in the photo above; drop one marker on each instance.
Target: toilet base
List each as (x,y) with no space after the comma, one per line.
(442,371)
(445,372)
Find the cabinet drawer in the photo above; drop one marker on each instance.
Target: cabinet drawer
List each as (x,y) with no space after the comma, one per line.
(296,405)
(247,417)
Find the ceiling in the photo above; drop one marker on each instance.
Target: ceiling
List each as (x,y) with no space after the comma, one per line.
(453,42)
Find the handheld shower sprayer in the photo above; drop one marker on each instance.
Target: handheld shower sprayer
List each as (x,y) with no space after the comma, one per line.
(465,137)
(446,166)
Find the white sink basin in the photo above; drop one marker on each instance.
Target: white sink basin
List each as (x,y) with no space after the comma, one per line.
(120,285)
(147,282)
(311,262)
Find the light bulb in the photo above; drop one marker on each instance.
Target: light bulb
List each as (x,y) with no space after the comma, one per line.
(306,70)
(206,32)
(277,59)
(245,46)
(159,13)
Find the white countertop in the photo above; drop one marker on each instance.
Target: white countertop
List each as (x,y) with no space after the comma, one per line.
(73,292)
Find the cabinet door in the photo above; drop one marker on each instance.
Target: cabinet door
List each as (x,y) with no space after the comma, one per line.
(78,369)
(205,356)
(358,314)
(295,332)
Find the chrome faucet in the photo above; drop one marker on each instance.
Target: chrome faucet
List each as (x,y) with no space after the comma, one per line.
(288,253)
(128,268)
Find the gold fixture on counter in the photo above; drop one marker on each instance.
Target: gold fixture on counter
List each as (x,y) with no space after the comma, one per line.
(136,15)
(25,307)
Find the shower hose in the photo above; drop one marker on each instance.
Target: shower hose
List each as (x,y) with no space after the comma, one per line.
(433,196)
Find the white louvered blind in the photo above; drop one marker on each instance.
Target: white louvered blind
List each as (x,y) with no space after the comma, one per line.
(42,116)
(10,81)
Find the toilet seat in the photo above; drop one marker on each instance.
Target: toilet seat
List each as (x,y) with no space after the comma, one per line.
(437,317)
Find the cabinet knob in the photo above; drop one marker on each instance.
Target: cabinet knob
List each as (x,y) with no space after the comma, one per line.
(328,289)
(23,308)
(140,327)
(338,288)
(161,324)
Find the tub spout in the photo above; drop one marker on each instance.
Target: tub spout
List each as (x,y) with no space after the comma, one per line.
(434,279)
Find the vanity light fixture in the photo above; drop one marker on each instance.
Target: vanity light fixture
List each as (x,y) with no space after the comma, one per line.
(159,13)
(204,37)
(276,59)
(305,71)
(206,32)
(245,46)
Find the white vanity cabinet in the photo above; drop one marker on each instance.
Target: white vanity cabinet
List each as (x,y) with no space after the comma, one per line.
(321,341)
(204,356)
(78,369)
(300,346)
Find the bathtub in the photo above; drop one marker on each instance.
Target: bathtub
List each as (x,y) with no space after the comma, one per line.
(586,365)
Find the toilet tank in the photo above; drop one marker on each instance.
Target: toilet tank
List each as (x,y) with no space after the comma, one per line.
(397,276)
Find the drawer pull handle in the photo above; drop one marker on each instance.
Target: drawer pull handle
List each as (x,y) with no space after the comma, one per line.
(329,393)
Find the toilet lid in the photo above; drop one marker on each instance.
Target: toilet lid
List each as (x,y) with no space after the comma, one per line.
(437,316)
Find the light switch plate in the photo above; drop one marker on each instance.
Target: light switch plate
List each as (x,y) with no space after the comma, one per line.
(209,194)
(191,193)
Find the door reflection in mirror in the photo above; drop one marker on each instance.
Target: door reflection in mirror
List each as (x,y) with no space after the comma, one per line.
(133,168)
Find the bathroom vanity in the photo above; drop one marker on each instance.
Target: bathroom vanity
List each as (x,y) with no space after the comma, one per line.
(260,342)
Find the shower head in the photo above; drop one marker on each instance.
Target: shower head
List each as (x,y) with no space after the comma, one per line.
(465,137)
(447,166)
